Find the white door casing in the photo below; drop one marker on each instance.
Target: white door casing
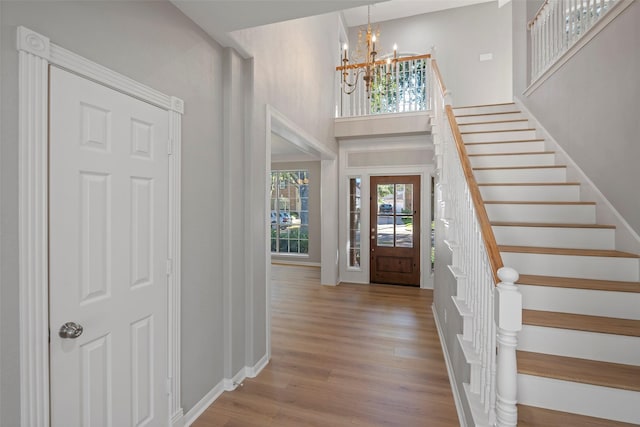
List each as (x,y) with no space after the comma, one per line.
(36,53)
(108,207)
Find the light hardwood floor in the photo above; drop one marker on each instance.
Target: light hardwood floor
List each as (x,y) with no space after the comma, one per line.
(343,356)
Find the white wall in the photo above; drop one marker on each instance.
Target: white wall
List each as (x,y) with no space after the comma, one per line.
(459,35)
(590,106)
(155,44)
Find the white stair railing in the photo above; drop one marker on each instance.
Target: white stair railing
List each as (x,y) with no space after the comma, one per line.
(404,90)
(558,25)
(487,298)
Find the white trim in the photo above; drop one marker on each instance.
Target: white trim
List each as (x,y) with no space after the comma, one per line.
(626,237)
(294,262)
(226,384)
(36,53)
(197,410)
(616,9)
(450,372)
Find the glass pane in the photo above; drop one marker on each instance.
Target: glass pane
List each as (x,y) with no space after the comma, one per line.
(386,230)
(289,211)
(404,231)
(404,199)
(354,222)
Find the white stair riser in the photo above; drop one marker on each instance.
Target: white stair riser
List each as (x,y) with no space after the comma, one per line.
(579,214)
(505,147)
(532,193)
(499,136)
(580,344)
(593,267)
(485,109)
(585,399)
(521,175)
(512,160)
(488,117)
(621,305)
(555,237)
(499,125)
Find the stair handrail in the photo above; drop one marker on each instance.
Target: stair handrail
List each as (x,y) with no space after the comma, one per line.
(496,303)
(495,259)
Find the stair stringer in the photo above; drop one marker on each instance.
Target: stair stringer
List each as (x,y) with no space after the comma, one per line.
(626,237)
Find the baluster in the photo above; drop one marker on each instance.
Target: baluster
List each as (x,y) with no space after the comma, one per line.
(508,317)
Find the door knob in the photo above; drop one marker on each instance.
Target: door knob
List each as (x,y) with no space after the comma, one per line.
(70,330)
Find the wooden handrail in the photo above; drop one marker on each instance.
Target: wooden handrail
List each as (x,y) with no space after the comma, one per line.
(495,259)
(383,61)
(535,17)
(436,71)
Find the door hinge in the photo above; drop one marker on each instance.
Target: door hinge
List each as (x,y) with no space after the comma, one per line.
(170,146)
(169,386)
(169,267)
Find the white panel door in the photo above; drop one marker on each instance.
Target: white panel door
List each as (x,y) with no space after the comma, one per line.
(108,256)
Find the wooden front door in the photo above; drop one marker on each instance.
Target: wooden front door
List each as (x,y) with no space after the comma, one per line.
(395,230)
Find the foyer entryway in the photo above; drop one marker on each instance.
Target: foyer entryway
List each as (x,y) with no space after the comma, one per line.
(395,230)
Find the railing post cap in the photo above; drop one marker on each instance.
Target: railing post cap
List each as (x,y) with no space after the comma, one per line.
(508,275)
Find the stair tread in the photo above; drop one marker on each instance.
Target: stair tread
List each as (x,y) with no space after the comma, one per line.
(498,131)
(567,251)
(511,153)
(493,122)
(550,225)
(520,167)
(503,142)
(582,322)
(489,114)
(531,202)
(510,141)
(584,371)
(570,282)
(484,105)
(531,416)
(525,184)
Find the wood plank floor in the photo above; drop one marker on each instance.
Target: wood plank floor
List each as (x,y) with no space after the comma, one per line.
(351,355)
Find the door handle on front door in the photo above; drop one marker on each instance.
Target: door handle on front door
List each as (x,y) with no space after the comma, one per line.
(70,330)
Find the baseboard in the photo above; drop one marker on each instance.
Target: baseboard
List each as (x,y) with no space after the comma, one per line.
(203,404)
(452,379)
(626,238)
(227,384)
(294,262)
(254,371)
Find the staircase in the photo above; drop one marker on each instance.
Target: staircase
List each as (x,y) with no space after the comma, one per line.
(579,348)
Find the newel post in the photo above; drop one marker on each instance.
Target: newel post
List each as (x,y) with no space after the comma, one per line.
(508,317)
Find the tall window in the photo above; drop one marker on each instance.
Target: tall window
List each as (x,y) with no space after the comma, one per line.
(290,211)
(354,222)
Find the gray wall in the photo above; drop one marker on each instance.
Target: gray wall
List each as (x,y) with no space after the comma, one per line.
(314,208)
(298,82)
(151,42)
(590,105)
(459,35)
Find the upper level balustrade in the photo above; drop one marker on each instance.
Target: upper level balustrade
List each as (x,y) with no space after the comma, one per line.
(398,85)
(558,25)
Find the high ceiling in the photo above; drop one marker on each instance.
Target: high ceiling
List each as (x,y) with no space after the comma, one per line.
(394,9)
(220,17)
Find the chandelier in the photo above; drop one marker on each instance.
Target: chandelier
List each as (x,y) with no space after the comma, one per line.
(368,68)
